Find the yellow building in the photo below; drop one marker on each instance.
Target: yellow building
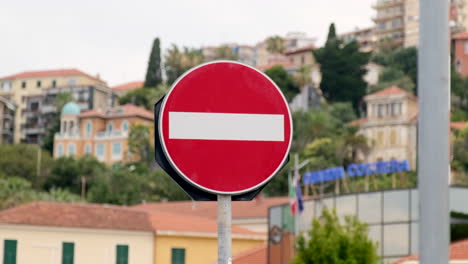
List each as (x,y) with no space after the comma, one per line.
(18,86)
(53,233)
(100,133)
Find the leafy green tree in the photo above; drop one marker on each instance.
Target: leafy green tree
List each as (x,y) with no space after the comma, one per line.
(139,144)
(329,241)
(343,112)
(225,52)
(153,72)
(144,97)
(179,61)
(284,81)
(343,69)
(275,44)
(391,76)
(22,160)
(460,155)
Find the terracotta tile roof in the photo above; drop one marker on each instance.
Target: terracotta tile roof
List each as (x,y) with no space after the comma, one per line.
(256,255)
(128,86)
(97,216)
(77,215)
(127,110)
(258,208)
(458,125)
(49,73)
(463,35)
(458,251)
(177,222)
(301,49)
(390,91)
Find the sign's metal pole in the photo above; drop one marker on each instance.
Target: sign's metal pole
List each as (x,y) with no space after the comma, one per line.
(224,229)
(433,131)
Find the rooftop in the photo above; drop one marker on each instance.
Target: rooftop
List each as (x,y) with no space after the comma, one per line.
(458,251)
(48,73)
(257,208)
(463,35)
(126,110)
(392,90)
(112,217)
(128,86)
(301,49)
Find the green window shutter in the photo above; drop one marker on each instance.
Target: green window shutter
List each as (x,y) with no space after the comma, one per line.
(178,256)
(9,252)
(122,254)
(68,253)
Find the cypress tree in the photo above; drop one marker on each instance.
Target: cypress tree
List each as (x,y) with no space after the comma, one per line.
(153,73)
(342,67)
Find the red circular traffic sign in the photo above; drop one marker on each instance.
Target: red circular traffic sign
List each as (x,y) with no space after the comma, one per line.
(225,127)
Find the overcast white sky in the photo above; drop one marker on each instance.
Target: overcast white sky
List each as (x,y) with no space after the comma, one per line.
(113,38)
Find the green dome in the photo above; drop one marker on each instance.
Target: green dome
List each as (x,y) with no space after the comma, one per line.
(71,108)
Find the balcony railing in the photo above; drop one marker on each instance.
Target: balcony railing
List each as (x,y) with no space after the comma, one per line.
(61,135)
(108,134)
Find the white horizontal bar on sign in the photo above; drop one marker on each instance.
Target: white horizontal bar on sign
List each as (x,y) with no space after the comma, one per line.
(222,126)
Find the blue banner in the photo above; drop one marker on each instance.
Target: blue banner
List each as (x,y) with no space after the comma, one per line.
(360,169)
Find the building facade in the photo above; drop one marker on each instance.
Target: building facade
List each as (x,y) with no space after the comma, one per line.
(91,233)
(460,53)
(41,112)
(366,38)
(390,125)
(18,86)
(100,133)
(7,121)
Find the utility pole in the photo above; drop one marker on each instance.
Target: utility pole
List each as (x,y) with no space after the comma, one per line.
(433,131)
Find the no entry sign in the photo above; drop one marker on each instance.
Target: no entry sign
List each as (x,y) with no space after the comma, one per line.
(225,127)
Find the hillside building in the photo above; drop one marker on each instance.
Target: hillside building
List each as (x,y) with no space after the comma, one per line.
(100,133)
(7,121)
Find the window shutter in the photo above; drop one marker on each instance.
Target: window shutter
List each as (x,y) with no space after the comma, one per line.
(178,256)
(122,254)
(68,253)
(9,252)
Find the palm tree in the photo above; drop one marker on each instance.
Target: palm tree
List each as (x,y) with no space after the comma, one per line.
(275,44)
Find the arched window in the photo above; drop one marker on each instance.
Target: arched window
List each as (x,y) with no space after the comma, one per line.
(71,127)
(59,150)
(110,127)
(87,149)
(71,149)
(125,126)
(89,128)
(64,127)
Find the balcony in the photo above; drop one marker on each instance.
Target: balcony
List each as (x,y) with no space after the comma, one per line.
(61,135)
(382,4)
(45,109)
(387,16)
(33,130)
(110,135)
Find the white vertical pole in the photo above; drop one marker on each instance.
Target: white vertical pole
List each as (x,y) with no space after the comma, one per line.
(433,131)
(224,229)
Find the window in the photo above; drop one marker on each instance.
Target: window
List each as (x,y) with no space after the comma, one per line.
(116,150)
(6,86)
(89,128)
(380,141)
(396,109)
(23,84)
(178,256)
(38,84)
(54,83)
(60,150)
(122,254)
(100,150)
(110,127)
(393,137)
(381,110)
(72,82)
(87,148)
(458,66)
(9,251)
(71,149)
(125,125)
(68,252)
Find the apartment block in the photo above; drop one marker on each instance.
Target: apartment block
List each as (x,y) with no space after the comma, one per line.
(366,38)
(33,83)
(7,120)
